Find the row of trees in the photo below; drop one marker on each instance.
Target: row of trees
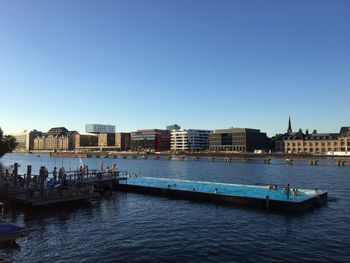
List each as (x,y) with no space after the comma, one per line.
(7,143)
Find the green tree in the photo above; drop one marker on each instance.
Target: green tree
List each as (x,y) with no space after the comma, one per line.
(7,143)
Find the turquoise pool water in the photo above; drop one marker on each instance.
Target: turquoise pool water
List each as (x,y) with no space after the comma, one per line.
(224,188)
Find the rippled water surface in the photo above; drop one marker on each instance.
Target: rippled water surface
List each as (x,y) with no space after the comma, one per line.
(129,227)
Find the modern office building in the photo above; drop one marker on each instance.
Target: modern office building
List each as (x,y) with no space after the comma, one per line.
(106,140)
(123,141)
(190,140)
(25,139)
(99,128)
(173,127)
(150,140)
(103,141)
(58,138)
(86,141)
(237,140)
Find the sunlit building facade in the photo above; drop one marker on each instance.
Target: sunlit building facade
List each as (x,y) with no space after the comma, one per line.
(150,140)
(190,140)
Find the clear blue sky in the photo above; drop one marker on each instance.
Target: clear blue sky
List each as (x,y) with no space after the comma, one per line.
(201,64)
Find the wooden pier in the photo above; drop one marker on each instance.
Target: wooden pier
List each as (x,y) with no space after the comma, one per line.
(48,189)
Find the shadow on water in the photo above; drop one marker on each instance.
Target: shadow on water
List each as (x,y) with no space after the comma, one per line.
(333,199)
(60,212)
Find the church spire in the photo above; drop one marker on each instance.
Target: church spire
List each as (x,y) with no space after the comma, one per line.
(289,130)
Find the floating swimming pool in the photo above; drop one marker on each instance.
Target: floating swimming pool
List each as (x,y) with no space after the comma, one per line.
(224,192)
(224,188)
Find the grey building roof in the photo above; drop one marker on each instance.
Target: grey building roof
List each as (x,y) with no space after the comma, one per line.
(345,131)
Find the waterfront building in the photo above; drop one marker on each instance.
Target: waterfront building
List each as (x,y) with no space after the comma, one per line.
(317,143)
(280,138)
(344,139)
(86,141)
(103,141)
(150,140)
(278,141)
(312,143)
(25,139)
(173,127)
(123,141)
(58,138)
(237,140)
(99,128)
(106,140)
(190,140)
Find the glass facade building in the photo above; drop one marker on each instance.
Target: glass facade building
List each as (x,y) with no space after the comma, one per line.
(237,140)
(99,128)
(150,140)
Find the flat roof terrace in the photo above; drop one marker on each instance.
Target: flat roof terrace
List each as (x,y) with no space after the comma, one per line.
(247,195)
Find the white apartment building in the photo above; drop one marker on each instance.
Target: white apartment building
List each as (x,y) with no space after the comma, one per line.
(189,140)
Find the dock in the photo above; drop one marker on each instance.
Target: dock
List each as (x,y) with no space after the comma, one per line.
(240,195)
(46,189)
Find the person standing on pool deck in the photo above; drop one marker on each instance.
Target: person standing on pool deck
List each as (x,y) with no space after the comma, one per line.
(287,190)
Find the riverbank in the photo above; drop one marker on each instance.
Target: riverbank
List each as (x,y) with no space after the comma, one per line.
(184,155)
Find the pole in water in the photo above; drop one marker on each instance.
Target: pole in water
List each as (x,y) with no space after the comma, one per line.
(15,173)
(42,180)
(29,175)
(267,203)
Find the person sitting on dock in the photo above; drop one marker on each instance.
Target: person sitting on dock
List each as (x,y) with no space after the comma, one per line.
(216,190)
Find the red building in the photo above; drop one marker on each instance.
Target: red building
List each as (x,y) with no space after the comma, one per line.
(150,140)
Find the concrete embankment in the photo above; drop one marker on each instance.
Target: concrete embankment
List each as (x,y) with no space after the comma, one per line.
(182,156)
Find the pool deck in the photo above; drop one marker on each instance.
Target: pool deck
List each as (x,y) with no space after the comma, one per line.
(262,197)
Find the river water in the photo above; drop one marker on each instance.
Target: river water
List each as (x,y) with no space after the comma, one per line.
(130,227)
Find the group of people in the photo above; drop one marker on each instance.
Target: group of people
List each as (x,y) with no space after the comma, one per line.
(82,171)
(288,190)
(61,180)
(133,175)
